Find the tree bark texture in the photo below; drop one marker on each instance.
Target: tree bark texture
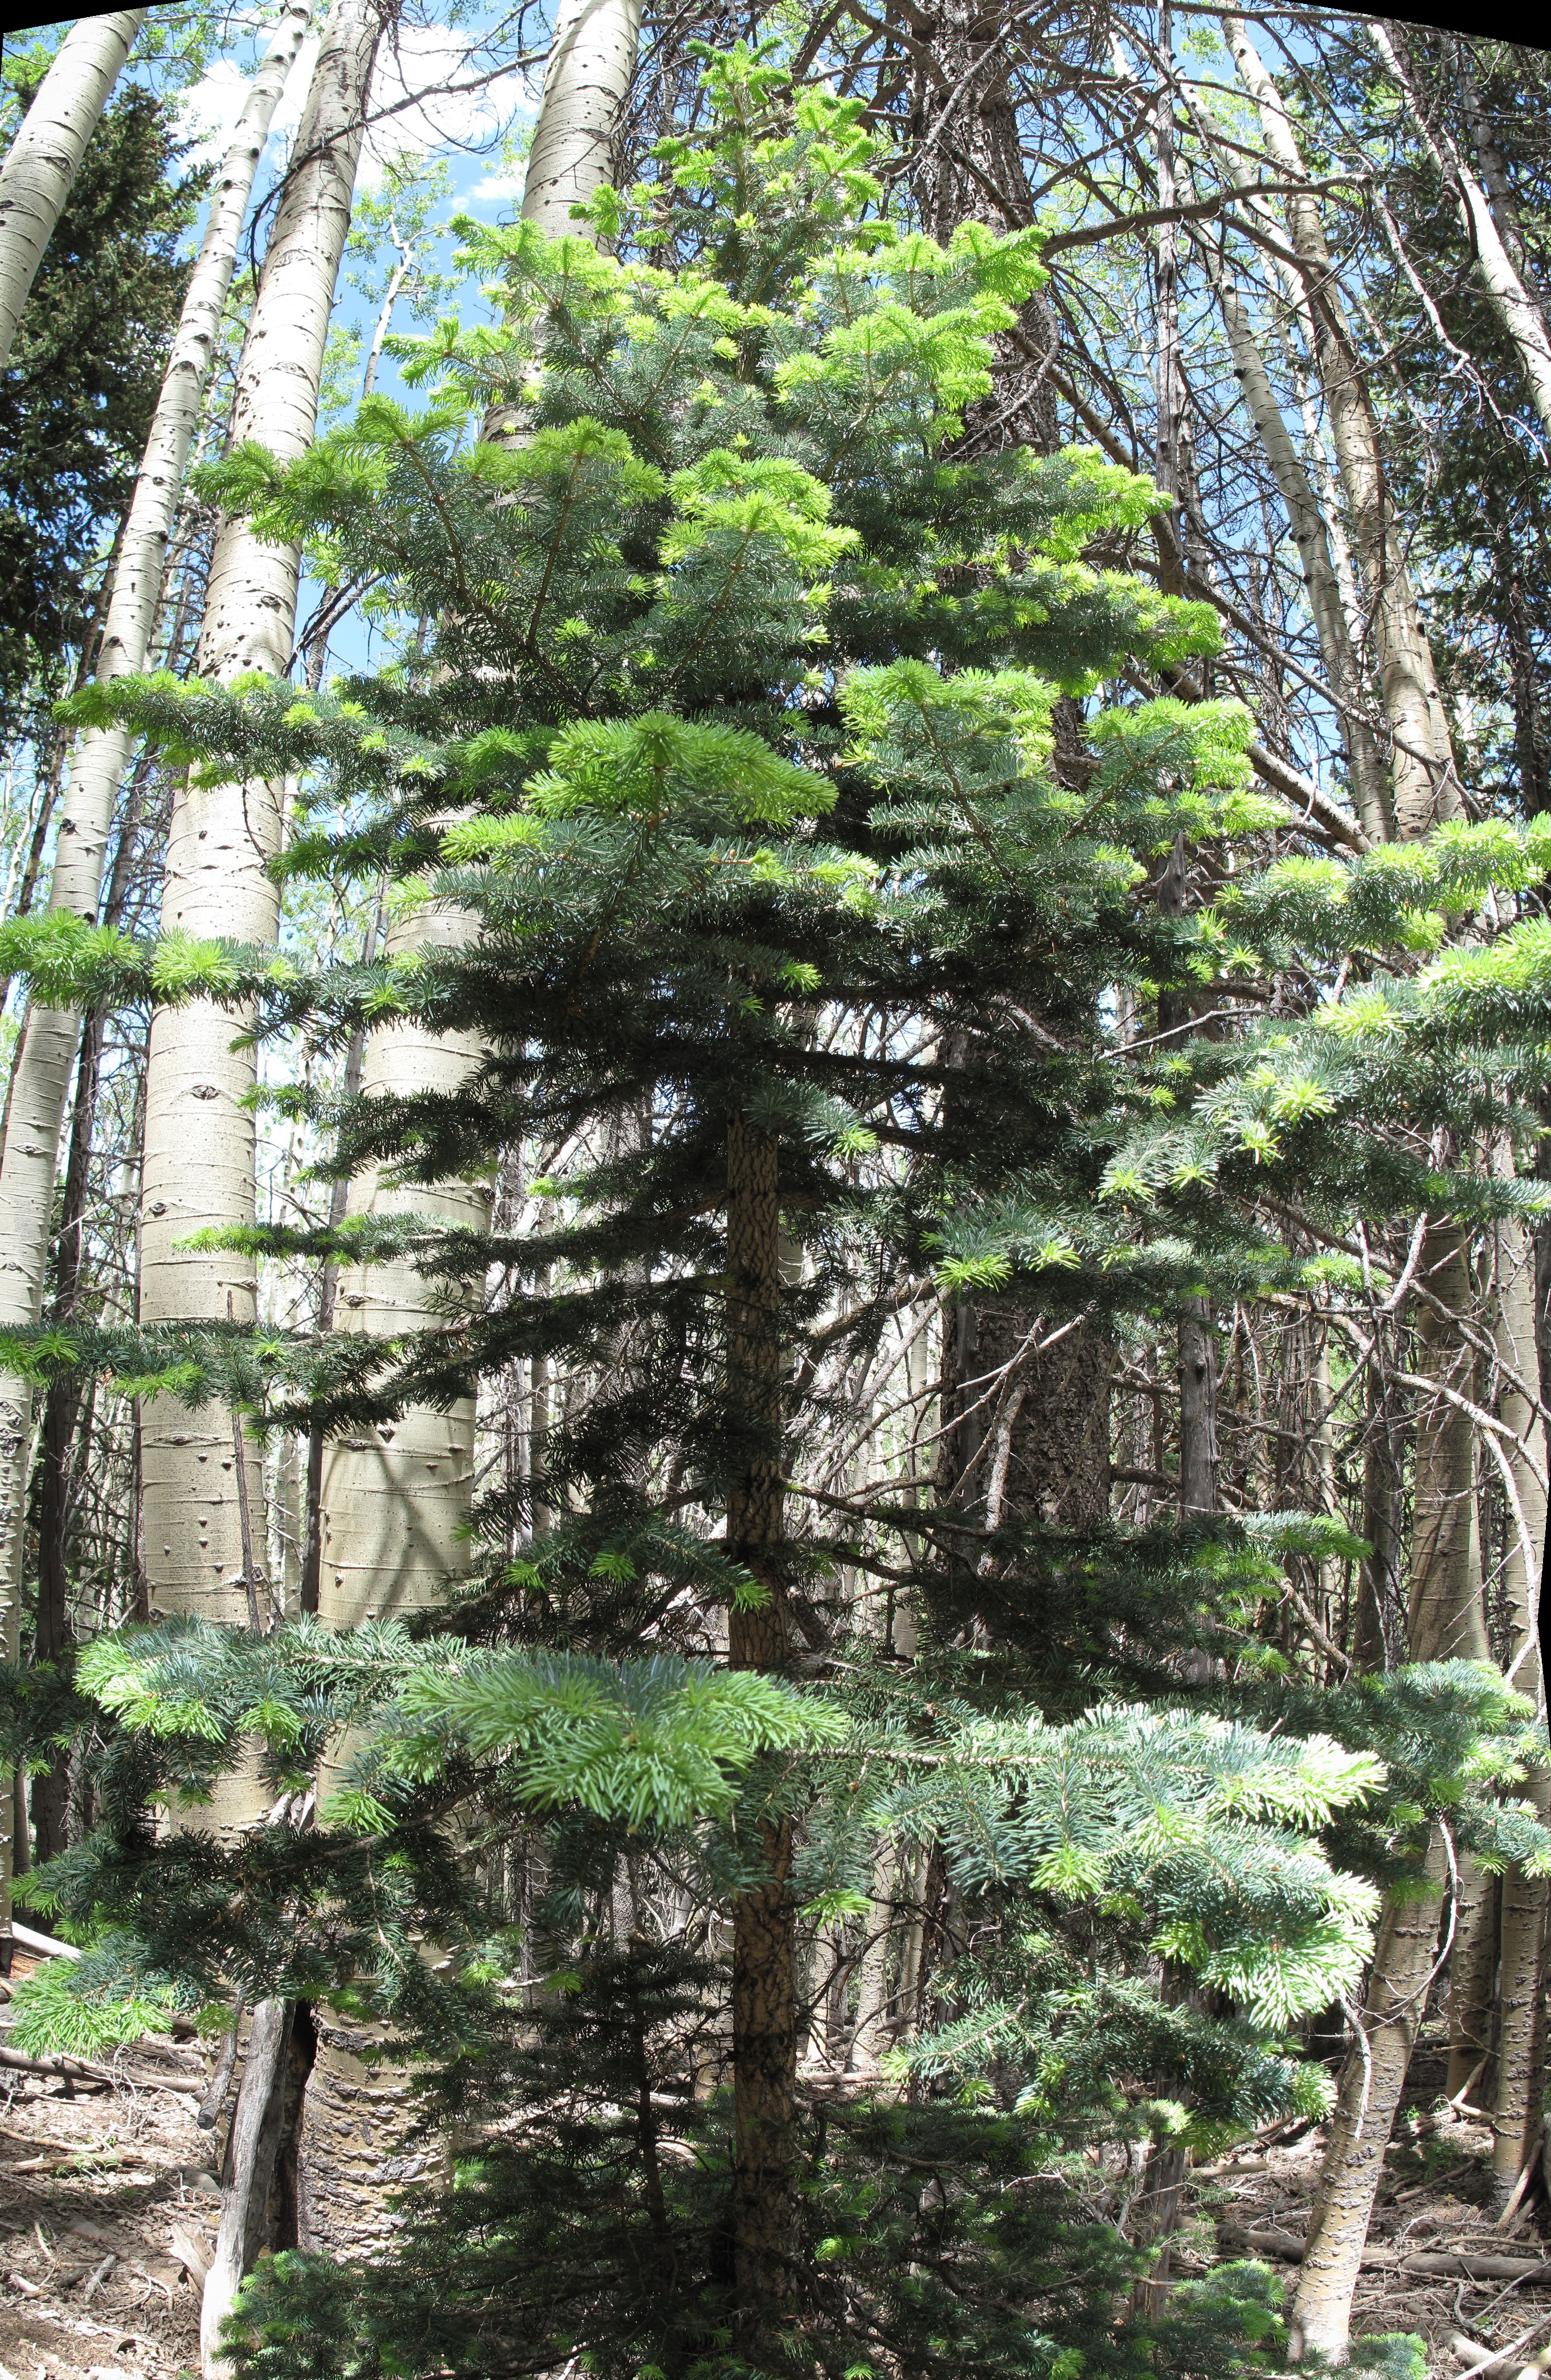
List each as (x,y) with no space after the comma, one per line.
(1367,2096)
(967,166)
(1048,1458)
(764,1946)
(1446,1622)
(1427,786)
(199,1137)
(587,76)
(40,1085)
(251,2155)
(44,158)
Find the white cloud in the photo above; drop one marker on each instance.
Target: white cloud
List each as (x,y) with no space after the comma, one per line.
(209,109)
(419,65)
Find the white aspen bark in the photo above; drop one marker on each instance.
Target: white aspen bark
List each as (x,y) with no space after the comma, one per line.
(44,158)
(1367,2096)
(1426,783)
(586,80)
(44,1063)
(393,1501)
(1370,792)
(1510,301)
(200,1135)
(45,1059)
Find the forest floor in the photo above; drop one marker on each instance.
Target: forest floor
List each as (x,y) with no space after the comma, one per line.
(1438,2263)
(108,2206)
(109,2199)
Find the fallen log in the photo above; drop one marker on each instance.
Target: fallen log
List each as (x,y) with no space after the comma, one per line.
(1454,2266)
(55,2066)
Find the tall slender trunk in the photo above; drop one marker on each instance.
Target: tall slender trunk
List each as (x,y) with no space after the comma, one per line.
(764,1944)
(40,1083)
(1367,2096)
(392,1504)
(44,158)
(1311,535)
(1520,314)
(252,2151)
(1515,2106)
(1445,1622)
(587,77)
(199,1137)
(1425,783)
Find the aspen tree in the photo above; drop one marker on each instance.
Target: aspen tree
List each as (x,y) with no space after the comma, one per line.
(40,1087)
(46,156)
(393,1502)
(1426,784)
(1520,313)
(204,1516)
(200,1136)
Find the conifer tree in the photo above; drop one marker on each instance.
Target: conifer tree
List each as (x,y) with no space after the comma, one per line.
(735,733)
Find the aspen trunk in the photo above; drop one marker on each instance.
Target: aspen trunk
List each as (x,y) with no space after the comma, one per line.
(393,1502)
(764,1950)
(1427,786)
(1370,790)
(1367,2096)
(40,1083)
(200,1138)
(44,158)
(1516,309)
(587,77)
(1446,1622)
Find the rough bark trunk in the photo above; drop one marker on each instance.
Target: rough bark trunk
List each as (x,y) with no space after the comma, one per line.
(764,1947)
(765,1967)
(1426,783)
(250,2156)
(1515,2106)
(46,156)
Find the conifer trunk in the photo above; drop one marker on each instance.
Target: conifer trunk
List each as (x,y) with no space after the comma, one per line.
(29,1158)
(44,158)
(1516,2104)
(1426,783)
(764,1941)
